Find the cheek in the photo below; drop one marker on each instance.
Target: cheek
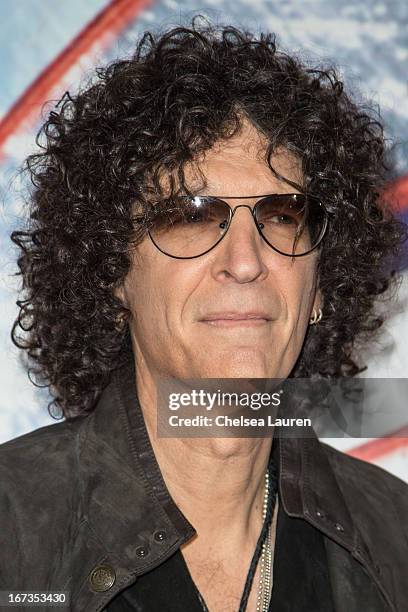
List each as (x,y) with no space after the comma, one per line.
(298,288)
(145,293)
(156,288)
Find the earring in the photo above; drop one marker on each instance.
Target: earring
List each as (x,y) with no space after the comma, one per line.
(121,321)
(316,318)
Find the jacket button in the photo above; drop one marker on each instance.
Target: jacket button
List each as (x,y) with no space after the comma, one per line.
(339,527)
(102,578)
(160,536)
(142,551)
(320,514)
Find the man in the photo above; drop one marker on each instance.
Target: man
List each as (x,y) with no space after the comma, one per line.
(192,216)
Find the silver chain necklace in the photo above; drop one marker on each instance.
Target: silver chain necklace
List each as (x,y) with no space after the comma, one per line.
(265,582)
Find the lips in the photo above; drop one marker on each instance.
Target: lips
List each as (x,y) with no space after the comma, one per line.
(236,316)
(232,319)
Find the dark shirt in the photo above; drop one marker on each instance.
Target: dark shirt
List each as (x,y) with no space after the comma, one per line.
(300,576)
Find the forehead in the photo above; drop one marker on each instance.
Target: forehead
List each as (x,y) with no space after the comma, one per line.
(238,166)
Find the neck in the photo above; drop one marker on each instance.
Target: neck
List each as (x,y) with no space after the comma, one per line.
(218,483)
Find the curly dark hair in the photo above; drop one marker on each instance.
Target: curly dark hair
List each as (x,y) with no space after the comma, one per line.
(109,145)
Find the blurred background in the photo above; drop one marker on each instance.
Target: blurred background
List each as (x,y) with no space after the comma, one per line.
(47,47)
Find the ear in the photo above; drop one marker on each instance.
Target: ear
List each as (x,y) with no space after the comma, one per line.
(318,300)
(119,293)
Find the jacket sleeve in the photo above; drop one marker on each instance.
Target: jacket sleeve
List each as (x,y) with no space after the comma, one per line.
(35,473)
(11,536)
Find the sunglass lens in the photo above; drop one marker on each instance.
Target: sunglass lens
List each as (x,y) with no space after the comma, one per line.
(189,226)
(292,223)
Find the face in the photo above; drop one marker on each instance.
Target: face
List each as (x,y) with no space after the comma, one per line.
(180,308)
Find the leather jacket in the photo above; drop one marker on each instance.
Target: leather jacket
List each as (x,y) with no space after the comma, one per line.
(84,509)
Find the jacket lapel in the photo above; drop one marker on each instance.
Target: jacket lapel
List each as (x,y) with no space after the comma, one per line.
(309,490)
(127,520)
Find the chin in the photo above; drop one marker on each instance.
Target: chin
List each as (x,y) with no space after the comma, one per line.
(240,364)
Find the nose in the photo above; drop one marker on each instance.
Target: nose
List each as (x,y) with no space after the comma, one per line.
(240,253)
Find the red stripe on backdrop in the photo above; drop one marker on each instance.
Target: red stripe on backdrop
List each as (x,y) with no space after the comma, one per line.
(110,21)
(397,193)
(370,451)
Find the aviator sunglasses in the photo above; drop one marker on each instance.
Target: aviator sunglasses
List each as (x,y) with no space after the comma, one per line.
(185,227)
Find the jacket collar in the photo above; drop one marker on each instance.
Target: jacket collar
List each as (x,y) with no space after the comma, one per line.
(116,446)
(129,514)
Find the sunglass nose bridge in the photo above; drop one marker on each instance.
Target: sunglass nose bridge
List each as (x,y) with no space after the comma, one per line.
(251,210)
(233,209)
